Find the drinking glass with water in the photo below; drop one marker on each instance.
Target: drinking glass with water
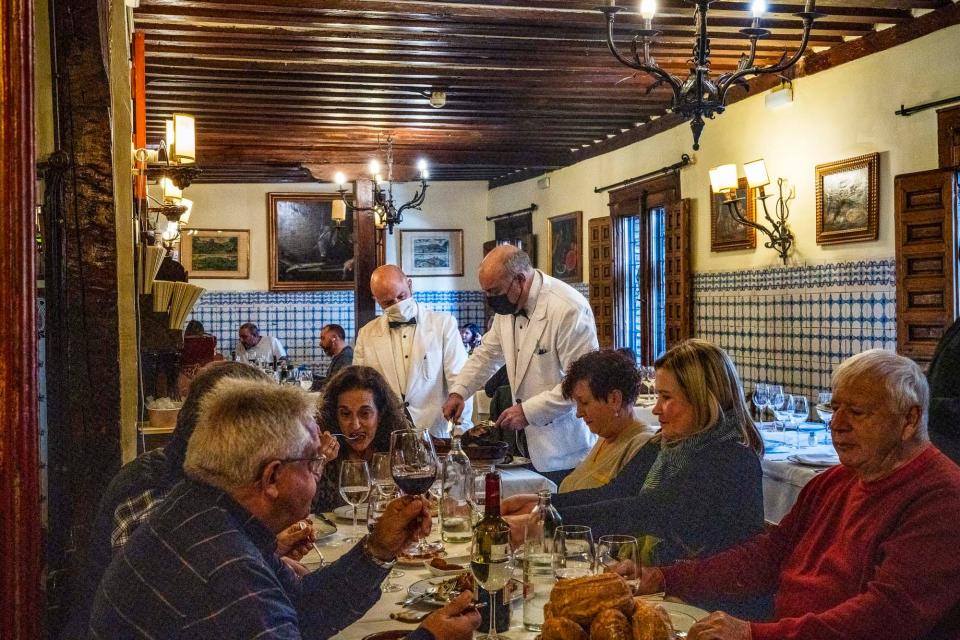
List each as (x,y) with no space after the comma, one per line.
(576,554)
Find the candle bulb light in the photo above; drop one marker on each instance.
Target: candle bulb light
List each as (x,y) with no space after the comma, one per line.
(339,178)
(758,8)
(647,9)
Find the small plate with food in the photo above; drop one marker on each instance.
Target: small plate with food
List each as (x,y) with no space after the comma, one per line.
(417,558)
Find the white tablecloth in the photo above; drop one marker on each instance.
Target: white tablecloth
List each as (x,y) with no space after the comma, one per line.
(782,479)
(514,480)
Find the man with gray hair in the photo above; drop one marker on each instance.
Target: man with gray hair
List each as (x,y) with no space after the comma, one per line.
(204,564)
(542,325)
(870,550)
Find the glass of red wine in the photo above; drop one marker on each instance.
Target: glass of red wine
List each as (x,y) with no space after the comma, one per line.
(413,464)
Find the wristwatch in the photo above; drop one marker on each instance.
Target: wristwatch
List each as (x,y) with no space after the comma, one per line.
(367,551)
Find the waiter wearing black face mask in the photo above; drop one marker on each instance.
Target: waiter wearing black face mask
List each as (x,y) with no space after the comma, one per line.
(542,326)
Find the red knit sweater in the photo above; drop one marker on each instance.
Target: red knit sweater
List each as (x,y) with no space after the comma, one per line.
(852,559)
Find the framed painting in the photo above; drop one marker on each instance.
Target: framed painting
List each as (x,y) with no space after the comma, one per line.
(566,257)
(426,253)
(848,200)
(726,234)
(216,253)
(308,251)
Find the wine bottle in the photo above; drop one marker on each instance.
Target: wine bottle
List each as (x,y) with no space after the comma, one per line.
(538,560)
(456,477)
(490,559)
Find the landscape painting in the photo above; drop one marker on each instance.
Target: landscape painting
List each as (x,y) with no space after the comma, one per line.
(431,252)
(216,253)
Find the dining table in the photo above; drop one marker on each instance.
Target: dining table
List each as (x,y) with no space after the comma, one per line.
(793,457)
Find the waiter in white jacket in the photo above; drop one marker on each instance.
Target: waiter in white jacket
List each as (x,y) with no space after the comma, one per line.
(542,325)
(417,350)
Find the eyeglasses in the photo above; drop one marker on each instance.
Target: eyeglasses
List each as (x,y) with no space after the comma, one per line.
(314,464)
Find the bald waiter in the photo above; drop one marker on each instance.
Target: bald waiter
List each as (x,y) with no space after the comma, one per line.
(417,350)
(542,325)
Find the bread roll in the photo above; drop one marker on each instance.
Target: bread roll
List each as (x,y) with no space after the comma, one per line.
(558,628)
(581,599)
(610,624)
(648,622)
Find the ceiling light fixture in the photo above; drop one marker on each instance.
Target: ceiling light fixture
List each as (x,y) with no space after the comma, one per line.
(177,155)
(698,97)
(385,212)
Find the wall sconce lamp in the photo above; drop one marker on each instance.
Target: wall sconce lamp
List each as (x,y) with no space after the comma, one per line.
(723,180)
(177,155)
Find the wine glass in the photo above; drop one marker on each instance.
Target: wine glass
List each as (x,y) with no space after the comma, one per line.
(761,398)
(413,464)
(376,506)
(782,412)
(384,487)
(305,377)
(825,412)
(800,411)
(575,552)
(620,554)
(774,395)
(491,563)
(354,488)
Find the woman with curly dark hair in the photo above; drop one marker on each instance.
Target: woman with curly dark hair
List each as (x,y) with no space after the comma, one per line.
(358,403)
(604,385)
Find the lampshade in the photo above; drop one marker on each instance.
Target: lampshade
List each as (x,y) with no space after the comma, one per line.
(756,174)
(723,178)
(186,139)
(185,216)
(171,137)
(170,190)
(338,212)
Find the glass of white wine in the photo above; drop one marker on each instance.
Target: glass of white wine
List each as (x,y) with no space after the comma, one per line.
(491,563)
(825,412)
(354,488)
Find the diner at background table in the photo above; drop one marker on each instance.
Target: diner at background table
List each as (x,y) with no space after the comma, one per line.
(869,551)
(206,566)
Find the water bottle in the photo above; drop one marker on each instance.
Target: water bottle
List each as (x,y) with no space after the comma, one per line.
(456,510)
(538,560)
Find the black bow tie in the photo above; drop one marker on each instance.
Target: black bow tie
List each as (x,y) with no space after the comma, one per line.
(396,323)
(522,312)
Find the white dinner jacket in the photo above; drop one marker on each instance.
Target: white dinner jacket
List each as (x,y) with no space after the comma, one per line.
(560,330)
(436,356)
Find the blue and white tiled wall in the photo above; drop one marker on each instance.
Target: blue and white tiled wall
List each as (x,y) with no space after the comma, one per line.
(793,325)
(295,318)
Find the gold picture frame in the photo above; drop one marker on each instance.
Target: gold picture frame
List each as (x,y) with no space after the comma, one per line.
(848,200)
(216,253)
(565,240)
(726,234)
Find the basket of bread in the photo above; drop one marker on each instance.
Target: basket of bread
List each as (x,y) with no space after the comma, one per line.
(602,607)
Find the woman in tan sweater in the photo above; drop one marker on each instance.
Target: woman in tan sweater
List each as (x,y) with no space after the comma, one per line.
(605,384)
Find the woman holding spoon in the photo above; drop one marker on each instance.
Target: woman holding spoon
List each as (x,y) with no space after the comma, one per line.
(360,408)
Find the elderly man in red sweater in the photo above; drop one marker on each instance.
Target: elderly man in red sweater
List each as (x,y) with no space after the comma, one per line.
(871,550)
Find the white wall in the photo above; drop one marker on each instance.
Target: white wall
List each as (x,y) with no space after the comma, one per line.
(449,205)
(836,114)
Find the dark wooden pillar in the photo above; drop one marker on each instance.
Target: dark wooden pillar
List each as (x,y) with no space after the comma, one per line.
(81,277)
(20,560)
(365,253)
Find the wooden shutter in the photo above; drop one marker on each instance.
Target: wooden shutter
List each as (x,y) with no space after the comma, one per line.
(601,278)
(926,209)
(677,278)
(948,137)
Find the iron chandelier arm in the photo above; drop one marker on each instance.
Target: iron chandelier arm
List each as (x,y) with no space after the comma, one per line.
(726,81)
(653,69)
(417,200)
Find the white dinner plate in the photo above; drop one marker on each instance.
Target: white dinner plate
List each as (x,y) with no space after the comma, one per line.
(683,615)
(815,459)
(346,513)
(420,587)
(518,461)
(321,529)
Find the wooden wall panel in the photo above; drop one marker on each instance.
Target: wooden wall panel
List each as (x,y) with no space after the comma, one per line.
(601,278)
(948,137)
(678,277)
(926,213)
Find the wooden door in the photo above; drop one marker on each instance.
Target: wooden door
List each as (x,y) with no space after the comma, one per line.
(948,137)
(926,213)
(601,278)
(679,301)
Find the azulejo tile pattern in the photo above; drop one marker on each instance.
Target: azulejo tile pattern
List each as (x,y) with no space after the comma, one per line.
(793,325)
(295,318)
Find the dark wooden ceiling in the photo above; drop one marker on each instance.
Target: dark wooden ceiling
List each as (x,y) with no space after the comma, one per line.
(284,90)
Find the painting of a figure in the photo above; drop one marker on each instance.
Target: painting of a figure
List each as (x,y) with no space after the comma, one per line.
(565,255)
(726,234)
(308,249)
(847,200)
